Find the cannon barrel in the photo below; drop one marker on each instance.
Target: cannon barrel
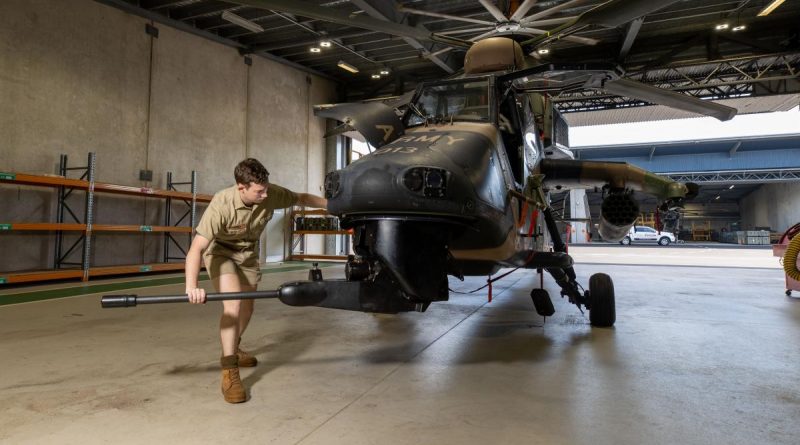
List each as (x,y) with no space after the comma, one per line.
(131,300)
(618,213)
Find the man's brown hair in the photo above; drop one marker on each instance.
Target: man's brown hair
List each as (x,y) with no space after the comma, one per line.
(250,170)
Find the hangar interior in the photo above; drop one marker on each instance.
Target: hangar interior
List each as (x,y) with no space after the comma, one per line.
(149,96)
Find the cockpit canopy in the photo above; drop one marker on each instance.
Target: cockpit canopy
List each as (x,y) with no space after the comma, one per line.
(461,100)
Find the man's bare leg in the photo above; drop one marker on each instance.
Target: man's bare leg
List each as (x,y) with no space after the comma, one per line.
(246,309)
(232,389)
(245,313)
(231,312)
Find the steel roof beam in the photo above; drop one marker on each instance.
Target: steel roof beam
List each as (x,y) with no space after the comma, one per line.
(389,16)
(319,13)
(159,18)
(283,44)
(319,35)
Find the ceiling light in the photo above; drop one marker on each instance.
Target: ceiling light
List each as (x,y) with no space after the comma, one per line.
(722,26)
(314,49)
(384,72)
(376,76)
(325,43)
(543,51)
(732,185)
(241,21)
(717,197)
(347,67)
(739,28)
(770,7)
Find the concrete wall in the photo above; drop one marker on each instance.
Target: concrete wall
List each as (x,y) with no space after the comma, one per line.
(77,76)
(772,205)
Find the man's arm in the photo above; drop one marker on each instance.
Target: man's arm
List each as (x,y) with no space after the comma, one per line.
(193,259)
(308,200)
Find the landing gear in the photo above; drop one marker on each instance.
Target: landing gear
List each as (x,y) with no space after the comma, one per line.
(600,301)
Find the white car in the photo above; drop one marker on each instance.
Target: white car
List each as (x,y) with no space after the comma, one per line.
(644,234)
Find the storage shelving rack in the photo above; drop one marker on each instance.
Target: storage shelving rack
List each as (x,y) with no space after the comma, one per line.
(86,227)
(298,237)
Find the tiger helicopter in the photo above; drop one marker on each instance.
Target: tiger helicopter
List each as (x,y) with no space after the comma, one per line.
(459,184)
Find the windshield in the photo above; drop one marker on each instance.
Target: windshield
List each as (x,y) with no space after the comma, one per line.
(467,101)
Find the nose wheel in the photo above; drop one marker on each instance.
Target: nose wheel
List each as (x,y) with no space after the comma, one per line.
(600,301)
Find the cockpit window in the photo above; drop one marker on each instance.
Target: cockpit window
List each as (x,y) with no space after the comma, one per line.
(467,101)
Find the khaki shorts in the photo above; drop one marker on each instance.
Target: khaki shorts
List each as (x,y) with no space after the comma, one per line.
(244,264)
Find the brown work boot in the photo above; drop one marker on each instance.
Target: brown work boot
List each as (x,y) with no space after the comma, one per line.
(232,388)
(246,359)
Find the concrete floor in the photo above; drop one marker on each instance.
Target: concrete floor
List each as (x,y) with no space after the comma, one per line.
(699,355)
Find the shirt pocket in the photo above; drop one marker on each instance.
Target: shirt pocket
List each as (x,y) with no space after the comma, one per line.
(236,230)
(259,222)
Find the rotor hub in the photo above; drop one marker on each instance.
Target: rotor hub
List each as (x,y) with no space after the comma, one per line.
(507,27)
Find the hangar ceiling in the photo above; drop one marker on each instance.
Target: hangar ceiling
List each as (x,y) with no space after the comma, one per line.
(416,40)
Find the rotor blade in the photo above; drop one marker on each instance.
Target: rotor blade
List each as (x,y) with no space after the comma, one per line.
(648,93)
(619,12)
(610,14)
(465,30)
(576,39)
(313,11)
(443,16)
(496,13)
(522,10)
(551,11)
(548,22)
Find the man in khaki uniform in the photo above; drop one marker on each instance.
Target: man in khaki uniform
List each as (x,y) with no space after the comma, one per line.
(226,240)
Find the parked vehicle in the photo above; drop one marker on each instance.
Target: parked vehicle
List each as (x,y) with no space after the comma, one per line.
(644,234)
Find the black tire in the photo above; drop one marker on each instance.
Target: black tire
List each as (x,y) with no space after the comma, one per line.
(602,309)
(788,293)
(625,241)
(663,241)
(542,302)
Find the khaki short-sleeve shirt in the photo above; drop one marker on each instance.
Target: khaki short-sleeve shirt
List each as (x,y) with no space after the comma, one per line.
(235,227)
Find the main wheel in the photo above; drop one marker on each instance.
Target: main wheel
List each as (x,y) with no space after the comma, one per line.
(625,241)
(664,241)
(602,309)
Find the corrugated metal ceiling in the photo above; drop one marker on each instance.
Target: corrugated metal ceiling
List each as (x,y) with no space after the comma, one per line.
(681,34)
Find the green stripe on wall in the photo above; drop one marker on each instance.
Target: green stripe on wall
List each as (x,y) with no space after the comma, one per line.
(26,297)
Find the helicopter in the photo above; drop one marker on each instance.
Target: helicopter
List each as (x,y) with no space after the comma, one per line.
(460,181)
(459,185)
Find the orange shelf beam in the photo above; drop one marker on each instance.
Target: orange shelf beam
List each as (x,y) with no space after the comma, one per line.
(135,268)
(52,181)
(322,232)
(134,228)
(43,226)
(311,212)
(43,275)
(58,181)
(146,191)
